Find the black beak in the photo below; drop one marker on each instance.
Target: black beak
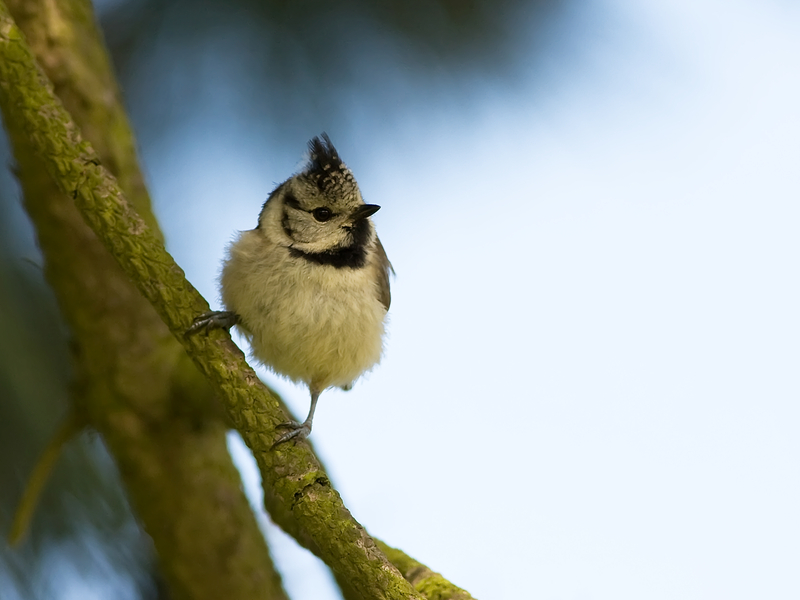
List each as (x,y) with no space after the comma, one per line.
(362,212)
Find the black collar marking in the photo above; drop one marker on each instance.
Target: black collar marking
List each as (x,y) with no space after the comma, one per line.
(353,256)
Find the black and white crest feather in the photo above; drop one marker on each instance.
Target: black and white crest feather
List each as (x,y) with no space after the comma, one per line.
(327,169)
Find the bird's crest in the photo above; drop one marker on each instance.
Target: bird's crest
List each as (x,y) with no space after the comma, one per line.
(327,170)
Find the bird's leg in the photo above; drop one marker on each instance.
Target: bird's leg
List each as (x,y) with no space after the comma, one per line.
(300,430)
(215,319)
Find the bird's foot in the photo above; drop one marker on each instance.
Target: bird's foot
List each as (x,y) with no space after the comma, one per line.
(298,431)
(215,319)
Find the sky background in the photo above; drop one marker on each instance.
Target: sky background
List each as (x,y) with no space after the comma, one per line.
(590,382)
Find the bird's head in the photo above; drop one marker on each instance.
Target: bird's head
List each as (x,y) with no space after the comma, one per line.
(320,210)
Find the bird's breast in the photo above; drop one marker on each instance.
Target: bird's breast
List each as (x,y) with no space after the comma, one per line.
(310,322)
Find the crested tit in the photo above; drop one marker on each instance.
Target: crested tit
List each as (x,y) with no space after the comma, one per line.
(309,286)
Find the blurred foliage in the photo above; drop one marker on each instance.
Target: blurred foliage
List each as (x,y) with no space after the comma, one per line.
(83,525)
(82,532)
(323,33)
(277,64)
(312,59)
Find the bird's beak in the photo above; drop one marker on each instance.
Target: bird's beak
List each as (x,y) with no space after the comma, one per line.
(362,212)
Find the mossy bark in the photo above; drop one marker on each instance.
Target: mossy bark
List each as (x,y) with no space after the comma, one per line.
(427,582)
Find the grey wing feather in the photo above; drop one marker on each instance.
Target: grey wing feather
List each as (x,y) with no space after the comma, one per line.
(384,268)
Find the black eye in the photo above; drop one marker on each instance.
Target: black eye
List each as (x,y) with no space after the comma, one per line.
(322,214)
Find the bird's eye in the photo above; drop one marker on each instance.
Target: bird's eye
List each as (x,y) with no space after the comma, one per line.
(322,214)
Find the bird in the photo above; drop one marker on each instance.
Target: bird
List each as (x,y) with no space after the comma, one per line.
(309,286)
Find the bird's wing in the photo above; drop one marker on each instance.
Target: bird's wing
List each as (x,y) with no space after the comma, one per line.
(384,268)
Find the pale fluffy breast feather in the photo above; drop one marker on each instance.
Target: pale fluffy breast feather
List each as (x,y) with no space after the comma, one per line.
(311,323)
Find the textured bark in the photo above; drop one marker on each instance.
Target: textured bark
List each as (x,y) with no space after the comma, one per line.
(428,583)
(134,383)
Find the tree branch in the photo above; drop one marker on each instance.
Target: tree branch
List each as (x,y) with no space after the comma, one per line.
(69,427)
(297,494)
(427,582)
(133,382)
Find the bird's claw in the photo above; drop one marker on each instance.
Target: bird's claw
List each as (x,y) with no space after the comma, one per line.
(298,431)
(215,319)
